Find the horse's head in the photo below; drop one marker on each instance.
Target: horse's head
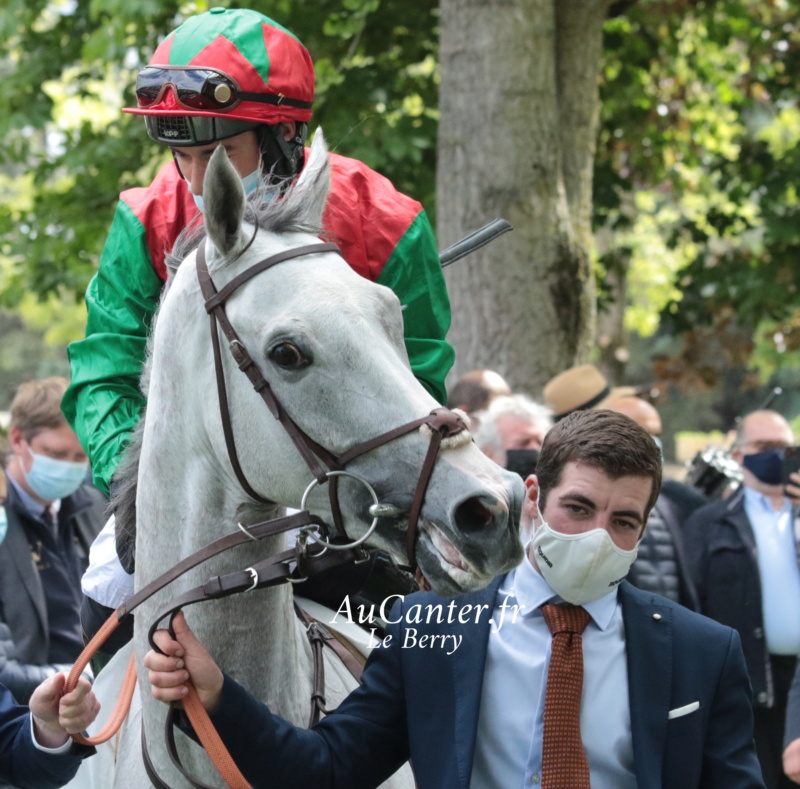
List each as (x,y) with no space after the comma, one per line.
(330,345)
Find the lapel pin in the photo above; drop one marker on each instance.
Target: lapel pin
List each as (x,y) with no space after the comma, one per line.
(656,617)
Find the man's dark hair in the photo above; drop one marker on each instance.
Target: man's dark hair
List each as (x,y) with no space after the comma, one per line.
(469,394)
(606,440)
(475,389)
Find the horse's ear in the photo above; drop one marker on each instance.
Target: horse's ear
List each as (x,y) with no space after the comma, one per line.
(223,203)
(314,182)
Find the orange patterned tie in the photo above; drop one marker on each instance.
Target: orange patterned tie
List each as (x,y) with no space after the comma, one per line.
(564,764)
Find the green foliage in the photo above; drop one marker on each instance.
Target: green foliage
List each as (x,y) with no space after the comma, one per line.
(698,165)
(25,355)
(63,130)
(696,196)
(377,83)
(67,67)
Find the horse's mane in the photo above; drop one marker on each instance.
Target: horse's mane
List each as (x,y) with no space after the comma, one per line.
(123,489)
(275,208)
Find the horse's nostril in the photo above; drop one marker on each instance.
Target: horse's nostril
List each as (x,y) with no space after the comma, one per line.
(474,514)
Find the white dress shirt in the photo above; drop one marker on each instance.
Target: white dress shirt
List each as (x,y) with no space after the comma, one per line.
(65,748)
(778,571)
(508,749)
(105,580)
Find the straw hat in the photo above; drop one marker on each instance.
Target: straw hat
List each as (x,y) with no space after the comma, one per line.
(579,389)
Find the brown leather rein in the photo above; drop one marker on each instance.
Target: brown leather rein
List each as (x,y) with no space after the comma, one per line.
(276,569)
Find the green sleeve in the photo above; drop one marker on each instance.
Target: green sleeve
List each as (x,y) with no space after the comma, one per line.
(414,273)
(104,401)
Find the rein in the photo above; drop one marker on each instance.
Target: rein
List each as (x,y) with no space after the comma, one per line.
(272,571)
(258,531)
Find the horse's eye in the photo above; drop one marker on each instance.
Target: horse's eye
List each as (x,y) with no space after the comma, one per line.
(288,356)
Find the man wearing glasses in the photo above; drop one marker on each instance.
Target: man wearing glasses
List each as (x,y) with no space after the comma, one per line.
(742,556)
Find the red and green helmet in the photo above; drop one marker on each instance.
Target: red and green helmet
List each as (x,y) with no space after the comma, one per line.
(222,73)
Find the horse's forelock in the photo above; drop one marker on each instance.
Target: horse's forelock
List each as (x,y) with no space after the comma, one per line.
(276,208)
(188,239)
(276,216)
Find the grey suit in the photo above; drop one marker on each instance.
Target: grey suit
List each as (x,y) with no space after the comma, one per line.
(25,628)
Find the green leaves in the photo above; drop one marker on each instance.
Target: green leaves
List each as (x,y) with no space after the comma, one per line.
(700,143)
(697,169)
(67,68)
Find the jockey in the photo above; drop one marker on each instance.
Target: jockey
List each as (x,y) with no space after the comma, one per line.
(234,77)
(229,77)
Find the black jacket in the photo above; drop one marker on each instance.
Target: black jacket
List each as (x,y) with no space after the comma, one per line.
(24,626)
(792,731)
(721,559)
(660,566)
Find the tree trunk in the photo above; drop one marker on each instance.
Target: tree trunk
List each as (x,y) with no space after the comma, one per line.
(519,109)
(611,338)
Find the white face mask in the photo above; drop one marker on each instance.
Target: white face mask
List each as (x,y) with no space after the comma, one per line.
(580,567)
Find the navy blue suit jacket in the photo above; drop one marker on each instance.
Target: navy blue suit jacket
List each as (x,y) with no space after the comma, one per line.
(423,704)
(21,762)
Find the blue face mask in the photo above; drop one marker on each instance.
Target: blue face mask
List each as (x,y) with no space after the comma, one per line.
(252,182)
(52,479)
(3,523)
(249,182)
(767,467)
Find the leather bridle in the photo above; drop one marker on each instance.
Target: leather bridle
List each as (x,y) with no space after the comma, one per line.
(276,569)
(443,423)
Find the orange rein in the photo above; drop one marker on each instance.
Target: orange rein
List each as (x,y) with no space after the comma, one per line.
(206,733)
(211,741)
(120,712)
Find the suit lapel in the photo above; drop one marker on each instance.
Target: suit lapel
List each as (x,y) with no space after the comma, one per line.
(648,645)
(737,517)
(20,552)
(468,665)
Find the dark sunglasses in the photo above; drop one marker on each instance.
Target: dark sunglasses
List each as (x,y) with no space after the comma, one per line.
(200,89)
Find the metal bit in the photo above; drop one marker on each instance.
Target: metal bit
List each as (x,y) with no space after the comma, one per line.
(384,511)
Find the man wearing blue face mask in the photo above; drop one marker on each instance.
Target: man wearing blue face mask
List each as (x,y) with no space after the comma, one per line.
(742,556)
(52,518)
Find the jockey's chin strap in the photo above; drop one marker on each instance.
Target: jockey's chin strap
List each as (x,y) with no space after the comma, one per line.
(324,465)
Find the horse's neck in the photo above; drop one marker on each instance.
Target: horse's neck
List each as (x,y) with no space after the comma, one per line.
(254,636)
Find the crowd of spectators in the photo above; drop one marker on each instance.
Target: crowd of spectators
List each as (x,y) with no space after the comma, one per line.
(732,558)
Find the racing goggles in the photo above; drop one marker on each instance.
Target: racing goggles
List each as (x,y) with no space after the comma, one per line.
(200,89)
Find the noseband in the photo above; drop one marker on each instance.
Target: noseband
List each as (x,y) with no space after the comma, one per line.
(324,465)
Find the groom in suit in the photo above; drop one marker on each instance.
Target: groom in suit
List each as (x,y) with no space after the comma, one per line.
(559,674)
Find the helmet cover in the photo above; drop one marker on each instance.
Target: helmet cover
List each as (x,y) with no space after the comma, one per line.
(260,56)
